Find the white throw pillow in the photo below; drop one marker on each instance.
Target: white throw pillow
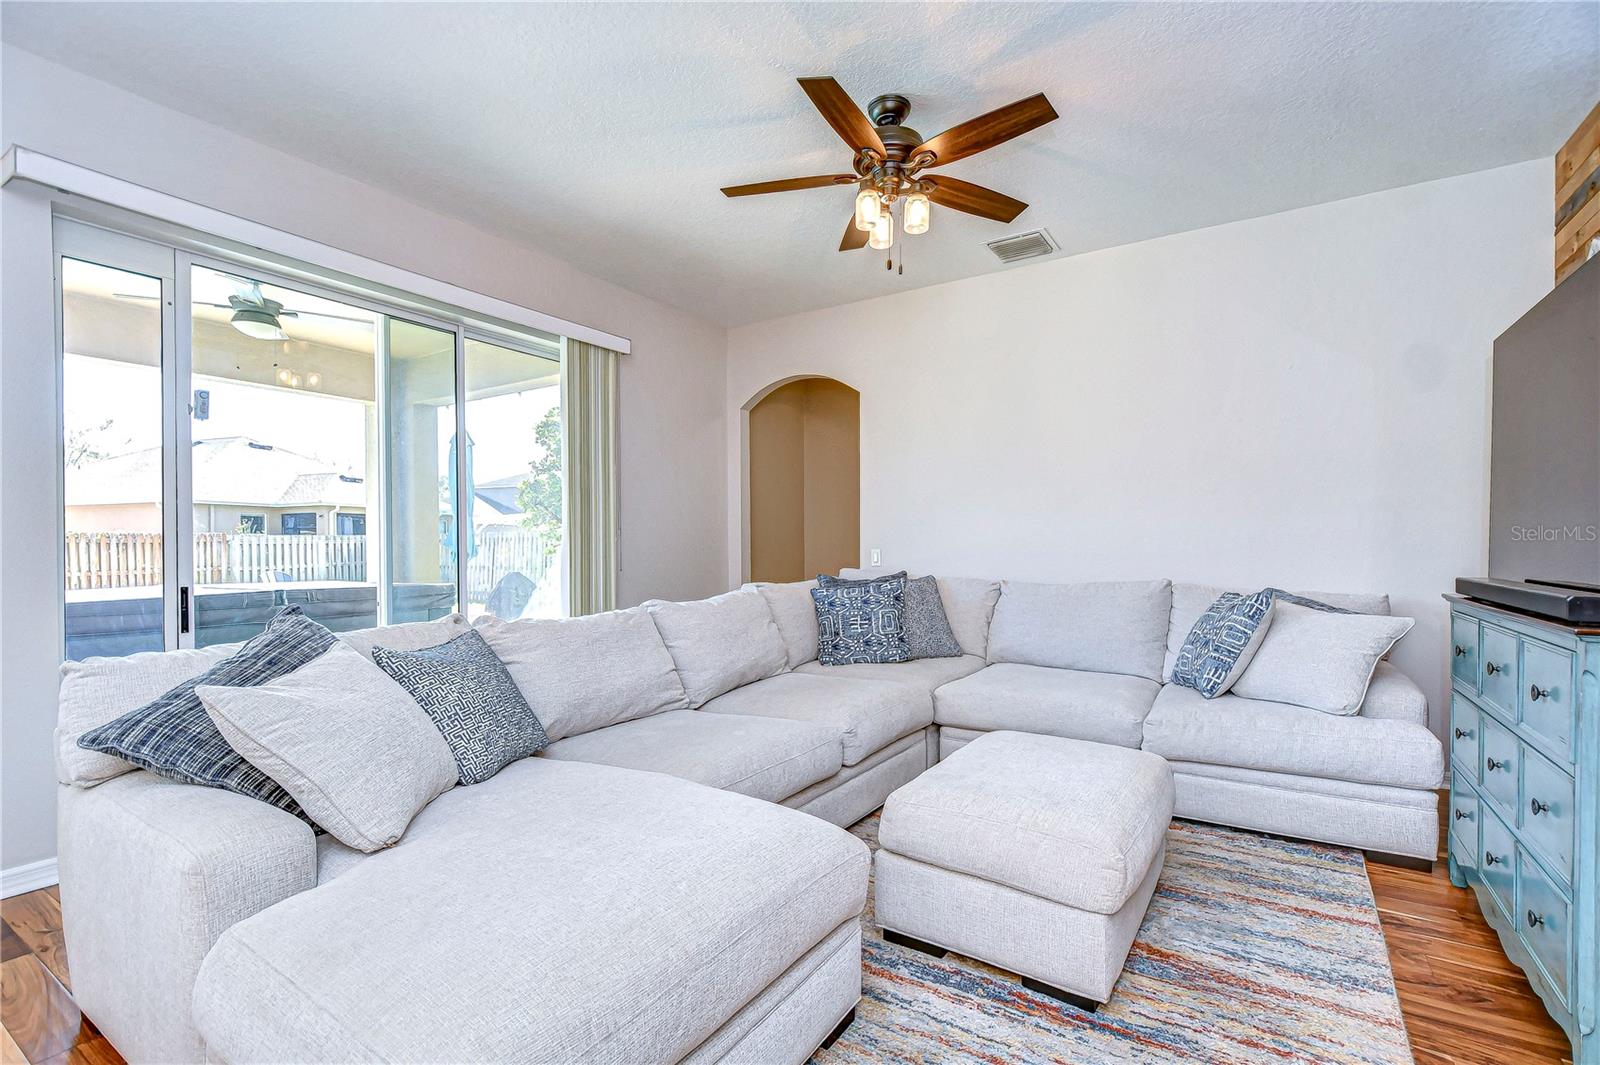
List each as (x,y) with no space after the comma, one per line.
(347,742)
(1318,659)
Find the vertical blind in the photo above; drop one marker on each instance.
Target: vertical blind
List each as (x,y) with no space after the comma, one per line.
(589,400)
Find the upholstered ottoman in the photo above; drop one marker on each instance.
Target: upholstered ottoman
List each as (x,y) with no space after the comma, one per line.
(1033,853)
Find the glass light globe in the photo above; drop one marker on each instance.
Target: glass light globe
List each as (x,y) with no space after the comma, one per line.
(882,233)
(868,210)
(917,213)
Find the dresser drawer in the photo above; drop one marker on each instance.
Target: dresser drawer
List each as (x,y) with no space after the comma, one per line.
(1497,854)
(1547,695)
(1499,750)
(1547,814)
(1498,675)
(1464,732)
(1543,921)
(1464,650)
(1464,824)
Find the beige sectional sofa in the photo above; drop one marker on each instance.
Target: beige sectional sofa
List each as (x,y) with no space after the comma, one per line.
(639,891)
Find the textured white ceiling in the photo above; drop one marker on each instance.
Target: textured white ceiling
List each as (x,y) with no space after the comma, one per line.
(602,132)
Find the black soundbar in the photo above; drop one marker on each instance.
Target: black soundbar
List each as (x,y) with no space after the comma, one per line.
(1579,606)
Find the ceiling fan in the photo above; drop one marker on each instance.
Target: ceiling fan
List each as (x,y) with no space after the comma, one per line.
(254,314)
(891,161)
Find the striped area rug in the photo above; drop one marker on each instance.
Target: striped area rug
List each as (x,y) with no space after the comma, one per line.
(1254,950)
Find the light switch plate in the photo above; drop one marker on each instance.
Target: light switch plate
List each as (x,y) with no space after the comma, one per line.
(877,557)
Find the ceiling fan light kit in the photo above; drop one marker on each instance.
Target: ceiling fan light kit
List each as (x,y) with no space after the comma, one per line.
(890,158)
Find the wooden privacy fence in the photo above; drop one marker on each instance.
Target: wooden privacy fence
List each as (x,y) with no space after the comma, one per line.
(264,558)
(113,560)
(133,560)
(503,551)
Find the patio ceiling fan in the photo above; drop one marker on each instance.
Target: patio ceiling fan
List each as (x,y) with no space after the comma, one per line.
(891,161)
(254,314)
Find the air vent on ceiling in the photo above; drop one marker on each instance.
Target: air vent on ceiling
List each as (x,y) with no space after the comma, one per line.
(1022,246)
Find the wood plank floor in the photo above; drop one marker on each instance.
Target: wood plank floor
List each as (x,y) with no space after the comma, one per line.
(1464,1003)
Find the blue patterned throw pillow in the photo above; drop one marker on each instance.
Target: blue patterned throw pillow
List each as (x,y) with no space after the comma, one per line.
(174,737)
(861,621)
(1222,642)
(928,632)
(464,687)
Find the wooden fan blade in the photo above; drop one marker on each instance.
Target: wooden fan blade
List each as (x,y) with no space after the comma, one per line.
(986,131)
(847,120)
(853,238)
(973,199)
(790,184)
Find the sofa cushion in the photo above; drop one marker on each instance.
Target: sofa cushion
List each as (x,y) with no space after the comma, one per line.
(924,674)
(795,614)
(1319,659)
(1231,730)
(1189,601)
(766,757)
(968,604)
(1075,822)
(344,740)
(585,673)
(721,642)
(1102,707)
(1393,696)
(472,700)
(173,736)
(868,714)
(407,636)
(1103,627)
(632,914)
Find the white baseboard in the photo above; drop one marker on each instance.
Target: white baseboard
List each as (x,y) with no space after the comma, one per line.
(31,877)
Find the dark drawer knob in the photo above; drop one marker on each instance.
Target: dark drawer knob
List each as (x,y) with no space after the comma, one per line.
(1462,815)
(1461,652)
(1491,669)
(1538,807)
(1534,919)
(1462,733)
(1491,859)
(1494,763)
(1535,693)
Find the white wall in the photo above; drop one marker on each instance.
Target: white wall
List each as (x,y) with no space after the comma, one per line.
(671,458)
(1297,400)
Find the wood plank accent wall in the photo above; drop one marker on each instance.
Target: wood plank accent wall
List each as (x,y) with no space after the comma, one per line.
(1577,195)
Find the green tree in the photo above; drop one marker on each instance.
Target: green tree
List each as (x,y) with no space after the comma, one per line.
(539,497)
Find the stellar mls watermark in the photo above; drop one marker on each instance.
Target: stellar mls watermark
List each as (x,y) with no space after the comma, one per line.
(1550,534)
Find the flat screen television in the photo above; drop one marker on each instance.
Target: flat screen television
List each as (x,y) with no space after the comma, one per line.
(1544,458)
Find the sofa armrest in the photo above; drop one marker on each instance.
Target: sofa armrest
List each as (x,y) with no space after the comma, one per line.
(1393,696)
(152,872)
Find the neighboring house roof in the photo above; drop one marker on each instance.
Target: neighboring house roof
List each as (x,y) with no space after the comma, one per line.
(501,493)
(227,470)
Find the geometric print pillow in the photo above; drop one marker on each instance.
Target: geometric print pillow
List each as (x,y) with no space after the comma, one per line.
(928,633)
(172,735)
(1219,647)
(464,687)
(861,621)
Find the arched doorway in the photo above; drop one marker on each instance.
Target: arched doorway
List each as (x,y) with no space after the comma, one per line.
(803,479)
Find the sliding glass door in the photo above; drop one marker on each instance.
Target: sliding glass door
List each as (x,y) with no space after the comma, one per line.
(116,337)
(273,442)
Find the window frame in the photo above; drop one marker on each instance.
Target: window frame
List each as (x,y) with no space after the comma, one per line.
(172,260)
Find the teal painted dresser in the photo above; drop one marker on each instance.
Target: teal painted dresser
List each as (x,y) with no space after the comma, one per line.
(1524,761)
